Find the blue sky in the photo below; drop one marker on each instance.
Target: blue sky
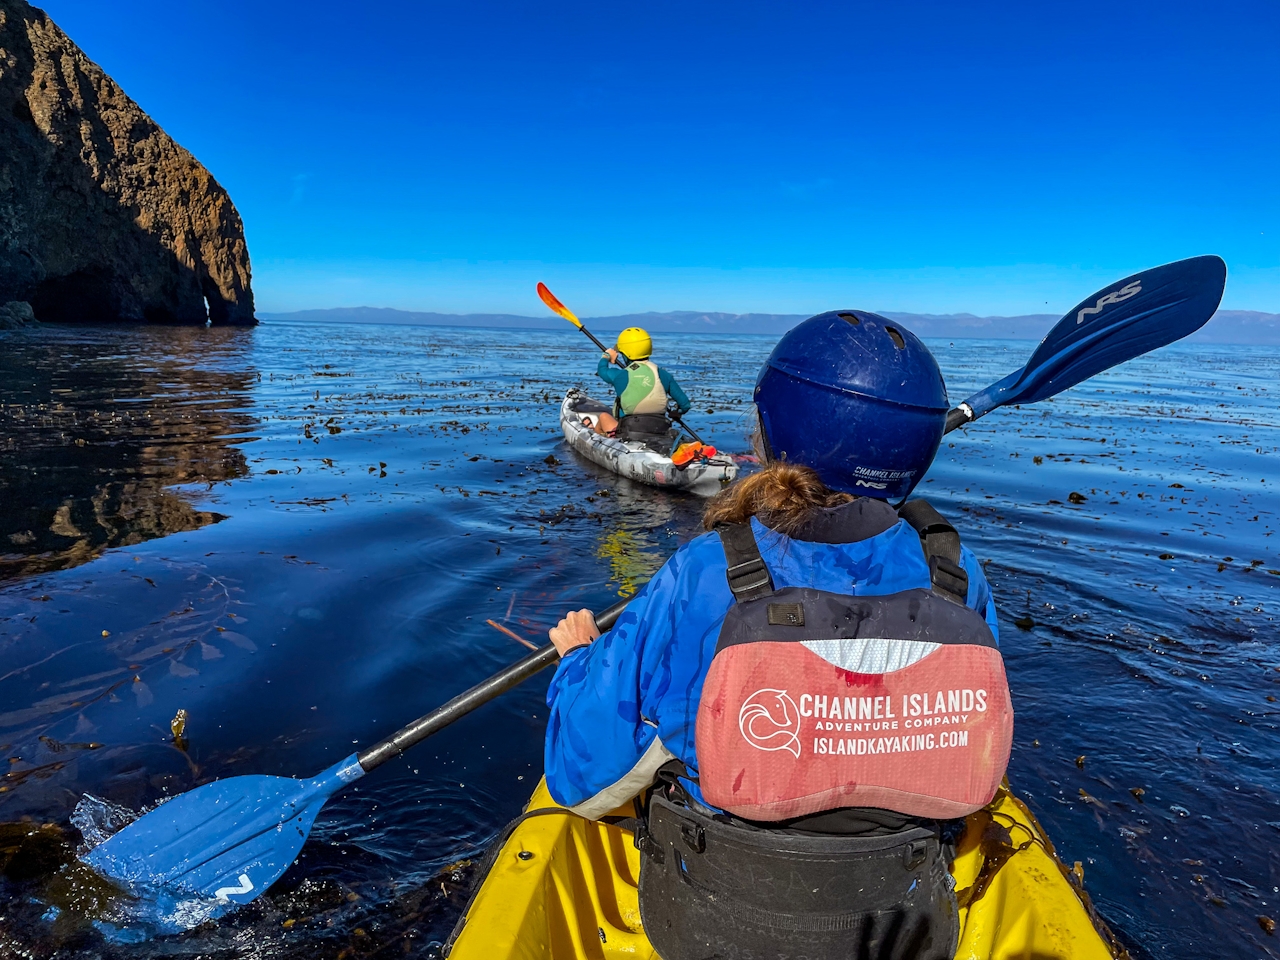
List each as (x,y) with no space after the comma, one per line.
(999,158)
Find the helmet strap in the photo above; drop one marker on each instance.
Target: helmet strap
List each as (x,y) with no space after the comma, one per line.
(765,447)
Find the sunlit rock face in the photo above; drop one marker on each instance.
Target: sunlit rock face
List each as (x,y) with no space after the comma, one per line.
(103,217)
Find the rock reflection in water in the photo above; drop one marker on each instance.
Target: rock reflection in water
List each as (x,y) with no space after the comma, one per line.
(93,439)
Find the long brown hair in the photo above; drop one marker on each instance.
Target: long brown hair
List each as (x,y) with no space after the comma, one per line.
(782,495)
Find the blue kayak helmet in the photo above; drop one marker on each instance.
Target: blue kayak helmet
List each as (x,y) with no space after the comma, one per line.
(856,397)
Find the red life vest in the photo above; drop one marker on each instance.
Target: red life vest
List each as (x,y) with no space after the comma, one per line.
(816,701)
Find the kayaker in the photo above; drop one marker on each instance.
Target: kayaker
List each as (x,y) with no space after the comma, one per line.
(642,387)
(814,684)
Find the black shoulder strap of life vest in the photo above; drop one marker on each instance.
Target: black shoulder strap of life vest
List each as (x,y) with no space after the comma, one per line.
(941,545)
(748,577)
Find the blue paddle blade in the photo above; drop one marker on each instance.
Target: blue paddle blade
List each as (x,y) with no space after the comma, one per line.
(205,852)
(1127,319)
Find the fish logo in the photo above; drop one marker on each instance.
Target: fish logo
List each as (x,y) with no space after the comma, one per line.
(770,720)
(1115,296)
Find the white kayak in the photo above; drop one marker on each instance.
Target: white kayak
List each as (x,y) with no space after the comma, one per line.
(635,460)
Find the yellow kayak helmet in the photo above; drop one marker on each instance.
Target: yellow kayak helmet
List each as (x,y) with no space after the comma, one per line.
(634,343)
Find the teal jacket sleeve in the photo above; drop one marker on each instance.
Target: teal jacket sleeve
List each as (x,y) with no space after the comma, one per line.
(673,390)
(614,376)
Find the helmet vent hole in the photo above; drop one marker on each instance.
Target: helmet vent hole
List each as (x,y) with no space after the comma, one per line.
(896,337)
(851,318)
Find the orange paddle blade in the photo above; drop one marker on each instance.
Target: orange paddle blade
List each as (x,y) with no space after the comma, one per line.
(550,300)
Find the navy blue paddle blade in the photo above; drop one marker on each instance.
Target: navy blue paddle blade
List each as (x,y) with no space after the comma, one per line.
(1125,320)
(226,841)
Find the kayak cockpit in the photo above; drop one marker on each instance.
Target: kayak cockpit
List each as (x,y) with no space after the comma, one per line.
(558,886)
(654,431)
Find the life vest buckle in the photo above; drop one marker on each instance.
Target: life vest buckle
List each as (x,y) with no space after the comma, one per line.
(949,578)
(695,838)
(645,843)
(915,854)
(749,575)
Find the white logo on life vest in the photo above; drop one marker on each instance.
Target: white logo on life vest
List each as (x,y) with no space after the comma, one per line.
(770,720)
(872,484)
(1115,296)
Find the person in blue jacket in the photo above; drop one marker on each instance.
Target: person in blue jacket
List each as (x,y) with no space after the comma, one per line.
(851,412)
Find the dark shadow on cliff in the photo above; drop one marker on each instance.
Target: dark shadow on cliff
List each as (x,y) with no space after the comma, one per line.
(108,219)
(93,440)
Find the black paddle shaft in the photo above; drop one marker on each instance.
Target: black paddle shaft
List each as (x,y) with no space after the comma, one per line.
(673,412)
(956,417)
(477,696)
(622,360)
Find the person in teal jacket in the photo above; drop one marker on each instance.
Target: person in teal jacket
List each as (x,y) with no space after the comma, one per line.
(642,387)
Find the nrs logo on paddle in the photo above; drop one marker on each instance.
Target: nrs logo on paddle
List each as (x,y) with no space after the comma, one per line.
(1115,296)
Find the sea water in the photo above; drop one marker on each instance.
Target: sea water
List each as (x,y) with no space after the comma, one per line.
(297,534)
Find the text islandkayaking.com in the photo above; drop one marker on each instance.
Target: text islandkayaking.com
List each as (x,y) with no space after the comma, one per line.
(910,743)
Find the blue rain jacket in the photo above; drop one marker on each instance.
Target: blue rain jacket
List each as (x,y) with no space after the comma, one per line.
(627,703)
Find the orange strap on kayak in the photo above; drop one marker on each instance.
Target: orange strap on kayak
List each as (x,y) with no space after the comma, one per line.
(686,453)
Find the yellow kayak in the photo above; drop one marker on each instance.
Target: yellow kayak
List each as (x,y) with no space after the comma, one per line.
(564,888)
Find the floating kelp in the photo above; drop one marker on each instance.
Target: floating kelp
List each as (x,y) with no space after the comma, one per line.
(353,593)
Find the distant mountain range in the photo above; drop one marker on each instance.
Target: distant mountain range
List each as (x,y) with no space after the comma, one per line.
(1227,326)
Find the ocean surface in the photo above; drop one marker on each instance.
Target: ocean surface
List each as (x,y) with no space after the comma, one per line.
(296,535)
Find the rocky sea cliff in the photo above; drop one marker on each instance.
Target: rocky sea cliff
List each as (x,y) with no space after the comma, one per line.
(103,217)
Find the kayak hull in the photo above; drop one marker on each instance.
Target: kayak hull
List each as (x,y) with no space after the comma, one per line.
(561,888)
(634,460)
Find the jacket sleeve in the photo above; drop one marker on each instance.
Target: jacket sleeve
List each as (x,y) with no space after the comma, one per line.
(601,749)
(615,377)
(980,598)
(673,390)
(624,705)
